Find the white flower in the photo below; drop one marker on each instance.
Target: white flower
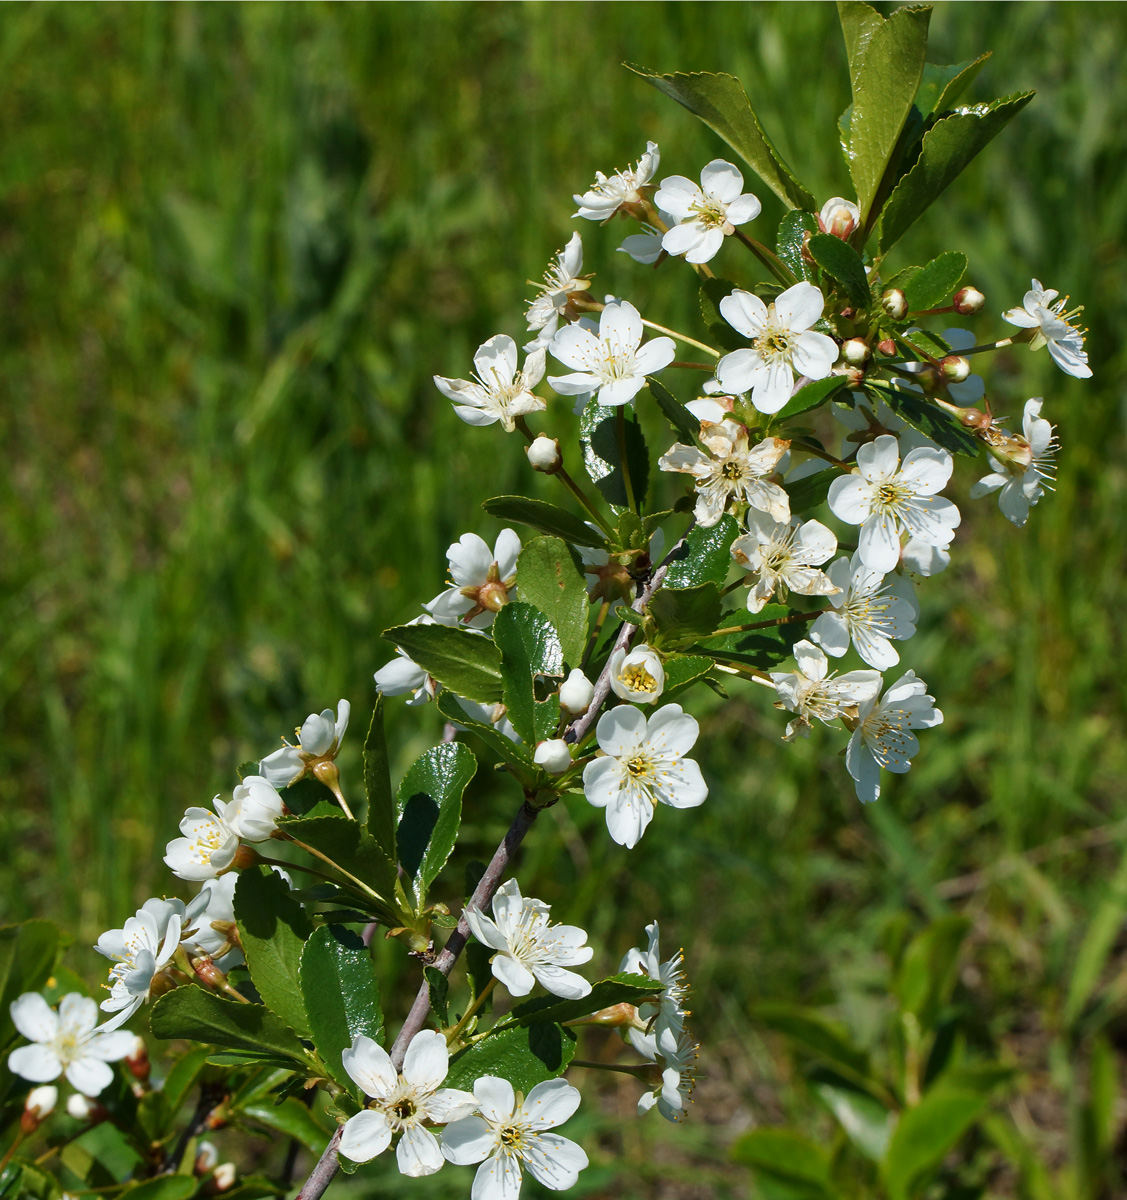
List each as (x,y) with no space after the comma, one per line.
(482,580)
(508,1131)
(923,559)
(731,471)
(705,214)
(207,847)
(530,949)
(675,1052)
(868,612)
(1020,473)
(643,764)
(785,556)
(562,281)
(40,1102)
(553,756)
(782,341)
(65,1042)
(839,217)
(624,188)
(402,1102)
(645,247)
(254,809)
(139,951)
(611,363)
(403,675)
(887,498)
(576,693)
(1065,341)
(318,740)
(210,918)
(811,692)
(637,676)
(498,391)
(669,1011)
(884,737)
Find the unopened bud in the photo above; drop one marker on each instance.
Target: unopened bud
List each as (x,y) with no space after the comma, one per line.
(928,378)
(839,217)
(895,303)
(955,369)
(82,1108)
(856,352)
(207,1158)
(137,1060)
(576,693)
(968,301)
(164,982)
(208,972)
(617,1016)
(223,1178)
(553,756)
(544,454)
(245,856)
(887,346)
(38,1106)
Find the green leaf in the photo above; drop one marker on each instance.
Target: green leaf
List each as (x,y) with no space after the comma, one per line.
(940,86)
(686,612)
(811,490)
(685,425)
(598,436)
(931,420)
(272,929)
(935,284)
(813,395)
(867,1123)
(430,807)
(465,662)
(722,104)
(705,556)
(841,262)
(530,647)
(516,755)
(624,988)
(166,1187)
(1099,938)
(793,229)
(927,1133)
(712,291)
(758,647)
(525,1056)
(342,995)
(438,988)
(291,1119)
(195,1015)
(27,954)
(786,1155)
(928,968)
(539,514)
(887,63)
(815,1035)
(377,784)
(348,845)
(947,149)
(859,22)
(926,342)
(683,669)
(551,580)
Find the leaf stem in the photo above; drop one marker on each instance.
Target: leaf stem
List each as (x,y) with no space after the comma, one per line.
(768,258)
(789,620)
(691,366)
(482,996)
(569,483)
(337,867)
(642,1071)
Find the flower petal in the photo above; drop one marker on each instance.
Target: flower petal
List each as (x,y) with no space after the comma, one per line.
(90,1076)
(621,730)
(495,1098)
(35,1063)
(365,1135)
(427,1060)
(800,306)
(555,1161)
(35,1018)
(369,1066)
(467,1141)
(418,1152)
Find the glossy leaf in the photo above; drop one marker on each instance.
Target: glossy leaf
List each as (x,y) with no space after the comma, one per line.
(348,845)
(465,662)
(272,929)
(685,425)
(932,421)
(947,149)
(813,395)
(760,648)
(603,457)
(686,612)
(430,808)
(793,229)
(377,784)
(511,752)
(342,995)
(551,580)
(941,86)
(842,263)
(438,989)
(292,1119)
(530,647)
(721,103)
(683,669)
(705,557)
(539,514)
(624,988)
(195,1015)
(27,955)
(525,1056)
(935,284)
(712,291)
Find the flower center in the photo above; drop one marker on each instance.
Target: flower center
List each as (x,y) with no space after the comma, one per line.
(511,1138)
(775,343)
(890,496)
(640,766)
(615,362)
(732,469)
(710,213)
(638,679)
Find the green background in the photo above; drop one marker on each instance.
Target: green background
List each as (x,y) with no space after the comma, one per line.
(236,242)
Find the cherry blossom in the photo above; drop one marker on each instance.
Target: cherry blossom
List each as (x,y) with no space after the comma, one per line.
(498,391)
(1053,328)
(636,675)
(562,282)
(482,580)
(318,741)
(883,736)
(65,1042)
(705,214)
(207,847)
(867,611)
(669,1011)
(623,189)
(785,557)
(810,691)
(1022,465)
(139,951)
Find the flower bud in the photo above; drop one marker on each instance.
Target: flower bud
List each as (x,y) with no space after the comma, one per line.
(856,352)
(617,1016)
(544,454)
(137,1060)
(927,377)
(968,301)
(576,693)
(839,217)
(222,1179)
(245,856)
(82,1108)
(895,303)
(208,972)
(207,1158)
(954,369)
(553,756)
(38,1106)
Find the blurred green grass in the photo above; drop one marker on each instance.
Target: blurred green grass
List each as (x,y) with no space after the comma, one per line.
(235,244)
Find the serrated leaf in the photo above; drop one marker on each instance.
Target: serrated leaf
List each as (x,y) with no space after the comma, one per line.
(539,514)
(438,988)
(602,455)
(947,149)
(347,844)
(550,578)
(793,229)
(683,669)
(887,63)
(430,808)
(377,783)
(686,612)
(941,86)
(342,995)
(525,1056)
(813,395)
(272,929)
(811,490)
(712,291)
(721,103)
(841,262)
(292,1119)
(926,342)
(623,988)
(511,752)
(529,647)
(932,421)
(198,1016)
(467,663)
(685,425)
(935,284)
(705,557)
